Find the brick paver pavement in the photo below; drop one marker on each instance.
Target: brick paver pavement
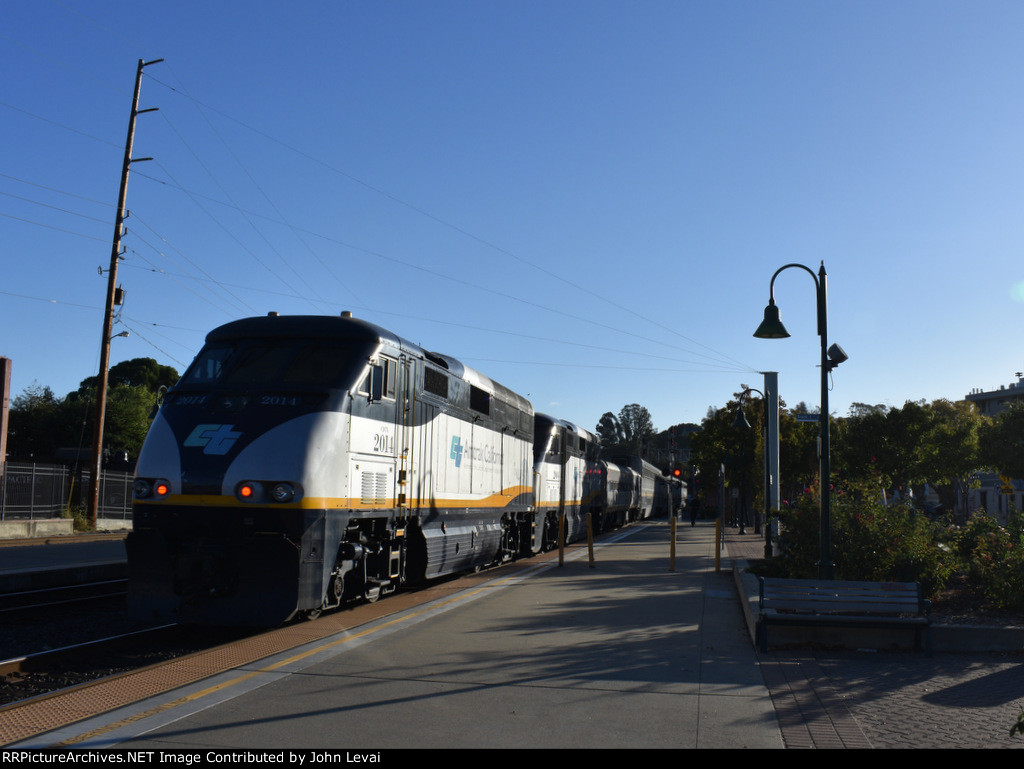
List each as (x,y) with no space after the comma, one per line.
(865,699)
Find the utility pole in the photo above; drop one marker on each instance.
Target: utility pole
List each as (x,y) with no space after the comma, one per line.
(5,407)
(112,290)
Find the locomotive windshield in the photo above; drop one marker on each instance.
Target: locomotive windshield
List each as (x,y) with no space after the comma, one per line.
(274,362)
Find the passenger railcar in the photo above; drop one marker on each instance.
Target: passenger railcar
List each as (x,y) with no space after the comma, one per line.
(302,460)
(668,496)
(565,481)
(648,475)
(618,497)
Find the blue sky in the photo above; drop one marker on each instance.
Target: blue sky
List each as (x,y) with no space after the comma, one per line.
(584,200)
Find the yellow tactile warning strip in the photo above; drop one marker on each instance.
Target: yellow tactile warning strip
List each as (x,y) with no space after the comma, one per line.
(20,721)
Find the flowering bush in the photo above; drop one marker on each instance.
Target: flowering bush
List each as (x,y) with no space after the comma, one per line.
(869,542)
(876,543)
(993,556)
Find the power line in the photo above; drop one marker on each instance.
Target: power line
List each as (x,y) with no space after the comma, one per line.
(716,356)
(51,227)
(443,222)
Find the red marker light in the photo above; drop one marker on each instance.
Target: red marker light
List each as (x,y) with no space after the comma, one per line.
(161,490)
(245,491)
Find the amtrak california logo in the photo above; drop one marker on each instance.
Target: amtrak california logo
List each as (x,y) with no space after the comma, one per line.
(215,439)
(456,452)
(478,456)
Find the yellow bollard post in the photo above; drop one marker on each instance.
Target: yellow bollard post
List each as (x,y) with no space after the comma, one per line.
(590,541)
(561,539)
(672,548)
(718,546)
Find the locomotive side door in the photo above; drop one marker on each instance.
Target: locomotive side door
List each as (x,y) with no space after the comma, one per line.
(373,440)
(404,435)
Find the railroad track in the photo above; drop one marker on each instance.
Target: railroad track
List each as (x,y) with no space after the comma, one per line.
(51,597)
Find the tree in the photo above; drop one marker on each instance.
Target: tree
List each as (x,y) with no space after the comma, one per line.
(720,445)
(798,452)
(636,426)
(36,425)
(610,432)
(127,419)
(886,448)
(951,449)
(859,442)
(936,443)
(907,429)
(1001,442)
(625,434)
(41,423)
(137,372)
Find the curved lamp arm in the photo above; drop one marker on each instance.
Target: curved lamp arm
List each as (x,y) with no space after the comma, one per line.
(772,327)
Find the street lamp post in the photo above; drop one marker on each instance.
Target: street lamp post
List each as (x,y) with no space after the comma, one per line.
(764,426)
(742,426)
(771,328)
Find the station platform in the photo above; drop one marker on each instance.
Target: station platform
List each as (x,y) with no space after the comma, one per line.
(634,650)
(40,563)
(630,653)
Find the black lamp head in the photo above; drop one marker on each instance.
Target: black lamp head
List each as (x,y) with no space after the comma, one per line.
(771,327)
(741,420)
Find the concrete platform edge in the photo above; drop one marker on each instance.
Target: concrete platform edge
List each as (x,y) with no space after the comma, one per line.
(34,528)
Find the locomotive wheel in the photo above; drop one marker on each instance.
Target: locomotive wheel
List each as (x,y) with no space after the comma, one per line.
(336,588)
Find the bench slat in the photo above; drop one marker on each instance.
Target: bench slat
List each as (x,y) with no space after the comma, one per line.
(845,607)
(842,603)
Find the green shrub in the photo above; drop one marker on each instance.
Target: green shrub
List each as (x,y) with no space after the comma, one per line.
(891,544)
(79,517)
(798,538)
(993,558)
(877,543)
(869,542)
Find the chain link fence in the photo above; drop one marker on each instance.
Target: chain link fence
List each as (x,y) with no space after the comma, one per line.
(30,491)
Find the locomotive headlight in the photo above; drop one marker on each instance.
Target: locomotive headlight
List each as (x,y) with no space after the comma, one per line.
(144,488)
(249,491)
(283,492)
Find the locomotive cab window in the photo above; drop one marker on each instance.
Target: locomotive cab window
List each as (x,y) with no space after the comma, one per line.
(271,362)
(381,381)
(256,364)
(317,364)
(208,366)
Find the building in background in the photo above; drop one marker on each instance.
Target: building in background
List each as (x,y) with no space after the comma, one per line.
(996,494)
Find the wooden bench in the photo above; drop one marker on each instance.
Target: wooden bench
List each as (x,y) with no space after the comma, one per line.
(833,603)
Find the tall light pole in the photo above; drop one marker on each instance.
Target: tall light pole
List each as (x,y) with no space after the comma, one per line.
(771,328)
(742,426)
(747,390)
